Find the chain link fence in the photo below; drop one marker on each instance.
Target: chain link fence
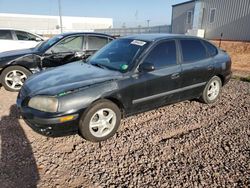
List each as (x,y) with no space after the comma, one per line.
(135,30)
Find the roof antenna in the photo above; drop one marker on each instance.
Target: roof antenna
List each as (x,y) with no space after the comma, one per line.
(221,35)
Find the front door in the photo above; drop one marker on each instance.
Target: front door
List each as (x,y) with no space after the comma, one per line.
(160,86)
(68,50)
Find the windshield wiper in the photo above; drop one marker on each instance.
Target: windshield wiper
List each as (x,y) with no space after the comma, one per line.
(99,65)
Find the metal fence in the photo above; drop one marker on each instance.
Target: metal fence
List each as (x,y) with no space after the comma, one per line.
(136,30)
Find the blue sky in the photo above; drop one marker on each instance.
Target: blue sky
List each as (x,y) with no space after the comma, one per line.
(128,12)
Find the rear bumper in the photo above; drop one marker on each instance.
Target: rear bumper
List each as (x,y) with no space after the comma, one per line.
(227,78)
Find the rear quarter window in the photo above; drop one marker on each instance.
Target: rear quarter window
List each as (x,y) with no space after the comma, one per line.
(192,50)
(211,49)
(5,34)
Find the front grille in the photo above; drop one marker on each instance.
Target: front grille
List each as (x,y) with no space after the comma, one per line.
(22,93)
(23,96)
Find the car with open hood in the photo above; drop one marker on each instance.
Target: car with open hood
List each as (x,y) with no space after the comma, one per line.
(130,75)
(16,66)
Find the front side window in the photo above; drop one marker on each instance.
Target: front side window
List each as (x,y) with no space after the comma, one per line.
(192,50)
(164,54)
(95,42)
(70,44)
(189,17)
(212,15)
(119,54)
(5,34)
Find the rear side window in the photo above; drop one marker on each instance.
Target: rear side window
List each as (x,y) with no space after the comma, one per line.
(22,35)
(164,54)
(192,50)
(5,34)
(211,49)
(95,42)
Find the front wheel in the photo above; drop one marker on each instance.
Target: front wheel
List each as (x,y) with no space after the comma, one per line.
(100,121)
(13,77)
(212,90)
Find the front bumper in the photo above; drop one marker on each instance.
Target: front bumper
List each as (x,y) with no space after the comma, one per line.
(46,124)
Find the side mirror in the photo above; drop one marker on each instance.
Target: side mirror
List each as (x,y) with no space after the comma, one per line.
(79,54)
(38,39)
(49,53)
(146,67)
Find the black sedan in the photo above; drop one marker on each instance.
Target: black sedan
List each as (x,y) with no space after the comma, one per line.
(128,76)
(16,66)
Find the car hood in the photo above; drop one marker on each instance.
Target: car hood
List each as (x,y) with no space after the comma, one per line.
(68,77)
(17,53)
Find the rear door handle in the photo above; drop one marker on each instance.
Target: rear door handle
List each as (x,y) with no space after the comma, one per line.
(175,76)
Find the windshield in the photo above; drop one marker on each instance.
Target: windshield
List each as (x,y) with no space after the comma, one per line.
(48,43)
(118,55)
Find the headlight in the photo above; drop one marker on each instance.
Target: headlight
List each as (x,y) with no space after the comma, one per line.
(44,103)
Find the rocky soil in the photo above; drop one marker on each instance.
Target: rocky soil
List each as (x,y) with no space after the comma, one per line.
(188,144)
(240,55)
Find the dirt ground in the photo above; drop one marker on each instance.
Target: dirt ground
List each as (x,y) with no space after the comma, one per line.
(188,144)
(240,54)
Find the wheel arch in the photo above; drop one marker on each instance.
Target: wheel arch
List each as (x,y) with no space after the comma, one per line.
(118,103)
(222,79)
(12,65)
(114,100)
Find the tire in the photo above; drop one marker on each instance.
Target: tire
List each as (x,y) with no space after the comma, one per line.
(95,125)
(212,90)
(13,77)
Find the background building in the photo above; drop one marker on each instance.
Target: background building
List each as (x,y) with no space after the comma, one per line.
(51,24)
(231,18)
(182,17)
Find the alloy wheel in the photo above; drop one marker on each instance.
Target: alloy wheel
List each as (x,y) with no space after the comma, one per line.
(213,90)
(15,79)
(102,122)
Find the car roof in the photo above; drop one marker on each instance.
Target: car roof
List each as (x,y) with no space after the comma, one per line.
(13,29)
(156,37)
(85,33)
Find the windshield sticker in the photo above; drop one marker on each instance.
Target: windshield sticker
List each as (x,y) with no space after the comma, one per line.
(138,42)
(124,67)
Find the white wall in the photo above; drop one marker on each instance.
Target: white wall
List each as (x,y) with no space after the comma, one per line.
(47,24)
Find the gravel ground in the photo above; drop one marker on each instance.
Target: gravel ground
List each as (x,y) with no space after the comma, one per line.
(188,144)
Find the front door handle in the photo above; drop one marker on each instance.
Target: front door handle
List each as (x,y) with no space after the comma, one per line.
(175,76)
(210,67)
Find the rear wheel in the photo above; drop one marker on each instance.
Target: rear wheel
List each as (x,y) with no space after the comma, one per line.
(13,77)
(100,121)
(212,90)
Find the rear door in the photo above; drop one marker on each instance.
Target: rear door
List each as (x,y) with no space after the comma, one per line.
(158,87)
(65,51)
(197,67)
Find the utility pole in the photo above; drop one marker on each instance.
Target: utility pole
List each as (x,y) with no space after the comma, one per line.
(148,24)
(60,15)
